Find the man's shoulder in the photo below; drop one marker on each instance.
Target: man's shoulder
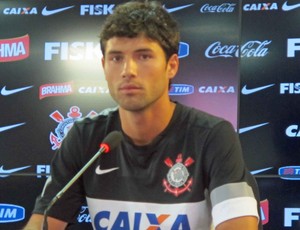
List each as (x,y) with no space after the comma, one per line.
(106,115)
(200,118)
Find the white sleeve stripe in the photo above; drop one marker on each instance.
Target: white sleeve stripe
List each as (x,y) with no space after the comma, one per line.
(232,208)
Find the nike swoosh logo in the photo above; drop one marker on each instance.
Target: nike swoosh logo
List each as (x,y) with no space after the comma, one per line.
(286,7)
(246,91)
(260,170)
(171,10)
(7,172)
(47,12)
(246,129)
(100,171)
(7,92)
(4,128)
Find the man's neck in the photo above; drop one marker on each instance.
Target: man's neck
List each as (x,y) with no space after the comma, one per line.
(144,126)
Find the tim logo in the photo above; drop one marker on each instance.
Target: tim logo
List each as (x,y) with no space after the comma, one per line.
(289,172)
(11,213)
(64,124)
(14,49)
(264,211)
(181,89)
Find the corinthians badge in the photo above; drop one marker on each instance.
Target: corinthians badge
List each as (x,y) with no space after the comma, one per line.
(178,181)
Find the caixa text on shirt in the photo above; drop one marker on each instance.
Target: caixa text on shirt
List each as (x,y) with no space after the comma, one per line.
(137,221)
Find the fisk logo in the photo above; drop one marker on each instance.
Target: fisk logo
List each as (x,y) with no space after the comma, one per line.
(74,51)
(290,216)
(289,172)
(181,89)
(100,9)
(14,49)
(293,45)
(11,213)
(290,88)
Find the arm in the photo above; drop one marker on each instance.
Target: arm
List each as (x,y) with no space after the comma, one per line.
(36,223)
(245,223)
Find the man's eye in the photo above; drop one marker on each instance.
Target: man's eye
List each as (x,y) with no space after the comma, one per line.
(117,58)
(145,56)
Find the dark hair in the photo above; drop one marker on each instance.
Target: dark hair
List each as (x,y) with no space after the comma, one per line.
(142,18)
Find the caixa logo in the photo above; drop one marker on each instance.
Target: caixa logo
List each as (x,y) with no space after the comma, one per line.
(181,89)
(11,213)
(289,172)
(293,131)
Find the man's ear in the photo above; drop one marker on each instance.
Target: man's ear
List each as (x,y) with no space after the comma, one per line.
(102,62)
(173,65)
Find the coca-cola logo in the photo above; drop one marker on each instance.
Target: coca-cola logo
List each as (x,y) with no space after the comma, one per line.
(223,8)
(249,49)
(84,216)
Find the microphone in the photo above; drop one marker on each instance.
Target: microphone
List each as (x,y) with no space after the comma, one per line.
(111,141)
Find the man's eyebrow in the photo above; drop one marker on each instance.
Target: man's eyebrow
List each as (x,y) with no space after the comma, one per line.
(112,52)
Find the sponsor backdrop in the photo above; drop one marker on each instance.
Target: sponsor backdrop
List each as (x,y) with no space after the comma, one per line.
(51,75)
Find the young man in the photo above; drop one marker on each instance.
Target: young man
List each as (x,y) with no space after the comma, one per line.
(176,168)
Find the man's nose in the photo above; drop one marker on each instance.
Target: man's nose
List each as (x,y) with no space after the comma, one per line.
(129,68)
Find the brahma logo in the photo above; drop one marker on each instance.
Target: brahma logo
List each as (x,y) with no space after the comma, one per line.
(11,213)
(64,124)
(216,89)
(260,6)
(20,11)
(264,211)
(181,89)
(289,172)
(14,49)
(58,89)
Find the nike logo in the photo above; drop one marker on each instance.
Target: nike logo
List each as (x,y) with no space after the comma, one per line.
(47,12)
(7,172)
(7,92)
(4,128)
(173,9)
(100,171)
(286,7)
(246,91)
(260,170)
(246,129)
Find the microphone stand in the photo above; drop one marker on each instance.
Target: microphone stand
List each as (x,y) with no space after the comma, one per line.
(68,185)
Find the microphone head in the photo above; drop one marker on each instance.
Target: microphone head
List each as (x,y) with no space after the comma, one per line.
(111,141)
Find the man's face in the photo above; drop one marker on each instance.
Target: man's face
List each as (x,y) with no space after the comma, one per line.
(137,72)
